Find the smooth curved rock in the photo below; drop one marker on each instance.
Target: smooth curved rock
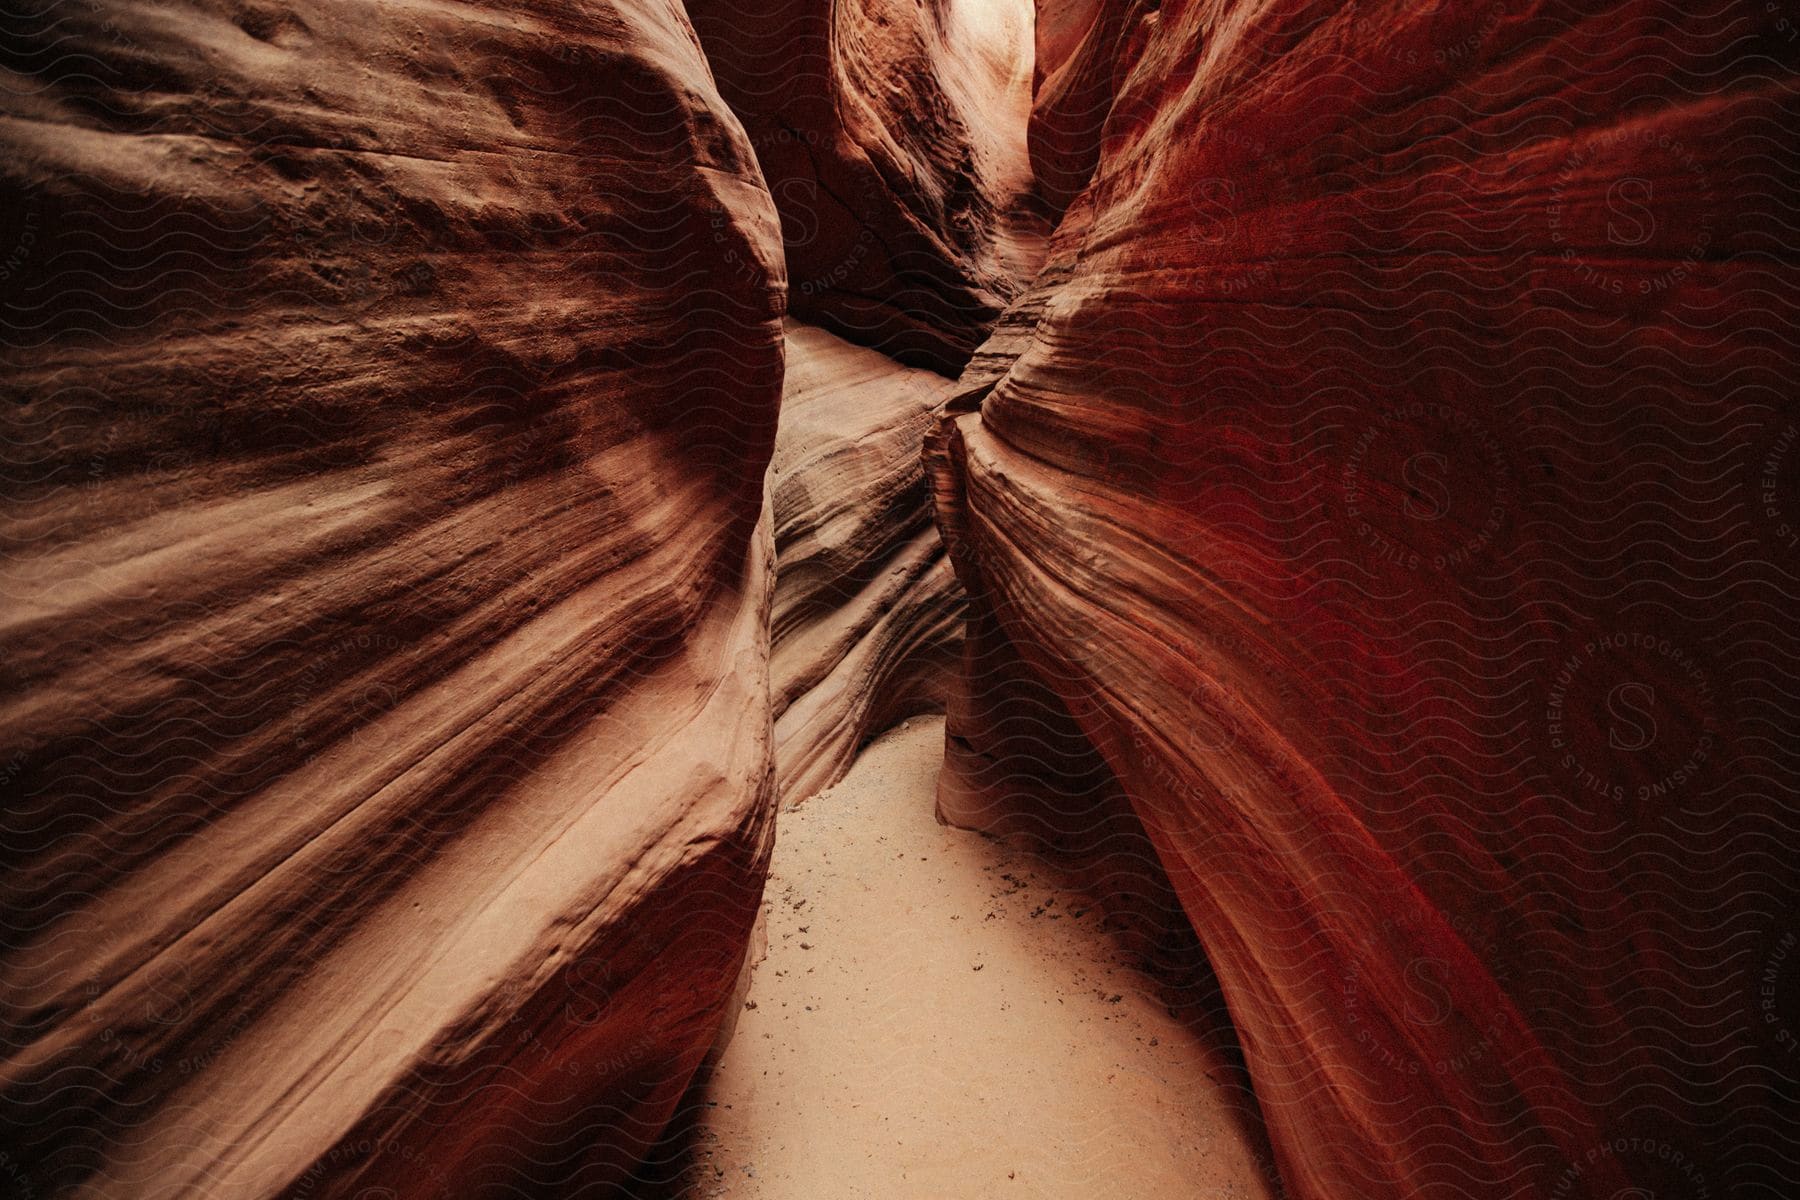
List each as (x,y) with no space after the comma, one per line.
(388,781)
(1391,483)
(1079,73)
(867,613)
(892,136)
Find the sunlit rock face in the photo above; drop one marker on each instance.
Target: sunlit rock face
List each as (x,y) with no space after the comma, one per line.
(892,136)
(867,612)
(388,776)
(1389,477)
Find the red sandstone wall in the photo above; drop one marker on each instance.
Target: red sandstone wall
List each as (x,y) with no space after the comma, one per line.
(1386,490)
(892,136)
(866,624)
(1390,474)
(387,772)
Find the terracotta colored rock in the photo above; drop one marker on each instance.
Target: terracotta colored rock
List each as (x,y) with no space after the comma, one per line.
(1377,522)
(1079,73)
(867,616)
(1389,478)
(892,136)
(387,773)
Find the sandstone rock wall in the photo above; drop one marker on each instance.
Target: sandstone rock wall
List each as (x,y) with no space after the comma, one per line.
(1080,48)
(892,135)
(1389,474)
(1380,509)
(387,778)
(867,613)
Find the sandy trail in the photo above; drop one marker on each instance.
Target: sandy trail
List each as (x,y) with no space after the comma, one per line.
(936,1017)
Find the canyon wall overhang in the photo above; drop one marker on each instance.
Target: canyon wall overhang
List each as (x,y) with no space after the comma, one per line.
(1389,474)
(388,784)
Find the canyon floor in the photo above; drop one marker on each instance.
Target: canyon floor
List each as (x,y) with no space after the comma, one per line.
(942,1015)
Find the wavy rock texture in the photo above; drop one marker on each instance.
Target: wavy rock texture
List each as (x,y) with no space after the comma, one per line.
(867,612)
(388,785)
(1079,46)
(1389,476)
(892,136)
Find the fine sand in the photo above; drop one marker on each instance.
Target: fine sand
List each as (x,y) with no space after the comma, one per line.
(937,1017)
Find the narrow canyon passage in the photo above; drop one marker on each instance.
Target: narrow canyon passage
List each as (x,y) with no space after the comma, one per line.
(941,1015)
(475,481)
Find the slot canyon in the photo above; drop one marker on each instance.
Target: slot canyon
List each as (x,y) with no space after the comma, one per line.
(900,598)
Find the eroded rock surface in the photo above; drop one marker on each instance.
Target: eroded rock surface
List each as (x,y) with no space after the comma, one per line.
(867,615)
(388,780)
(1388,474)
(892,136)
(1380,509)
(1081,55)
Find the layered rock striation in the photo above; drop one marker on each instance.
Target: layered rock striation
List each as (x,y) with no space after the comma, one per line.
(867,620)
(1383,479)
(428,553)
(388,773)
